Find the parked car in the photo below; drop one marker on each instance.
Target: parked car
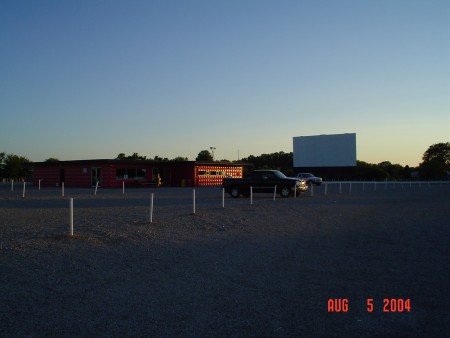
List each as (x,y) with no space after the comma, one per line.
(264,181)
(310,178)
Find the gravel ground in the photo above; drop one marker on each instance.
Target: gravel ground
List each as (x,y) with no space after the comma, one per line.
(266,269)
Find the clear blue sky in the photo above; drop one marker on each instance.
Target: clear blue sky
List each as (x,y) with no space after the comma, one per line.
(83,79)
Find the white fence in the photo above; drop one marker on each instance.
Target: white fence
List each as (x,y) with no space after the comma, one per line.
(363,186)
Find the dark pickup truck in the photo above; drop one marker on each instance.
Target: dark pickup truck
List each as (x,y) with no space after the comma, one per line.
(264,181)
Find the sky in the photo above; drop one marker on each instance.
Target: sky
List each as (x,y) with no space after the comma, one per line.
(89,79)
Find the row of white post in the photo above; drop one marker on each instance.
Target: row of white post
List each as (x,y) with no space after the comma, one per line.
(194,198)
(251,189)
(152,196)
(62,188)
(223,191)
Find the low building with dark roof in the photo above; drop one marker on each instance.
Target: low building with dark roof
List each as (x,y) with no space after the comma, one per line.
(134,173)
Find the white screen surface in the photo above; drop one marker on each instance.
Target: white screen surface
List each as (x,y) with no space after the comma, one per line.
(337,150)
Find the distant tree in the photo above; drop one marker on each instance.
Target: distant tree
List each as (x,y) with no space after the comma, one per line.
(406,173)
(52,159)
(180,158)
(368,171)
(394,171)
(433,169)
(280,161)
(439,152)
(16,167)
(436,161)
(2,164)
(135,156)
(204,156)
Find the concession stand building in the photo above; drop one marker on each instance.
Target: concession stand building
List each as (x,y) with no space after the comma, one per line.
(134,173)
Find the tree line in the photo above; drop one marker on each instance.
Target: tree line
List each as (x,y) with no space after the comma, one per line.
(435,164)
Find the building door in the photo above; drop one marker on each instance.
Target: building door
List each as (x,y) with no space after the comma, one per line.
(96,176)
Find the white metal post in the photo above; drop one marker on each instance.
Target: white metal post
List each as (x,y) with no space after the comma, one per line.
(326,189)
(350,188)
(71,216)
(151,208)
(251,195)
(40,184)
(96,187)
(340,187)
(223,197)
(62,189)
(12,185)
(23,192)
(274,192)
(123,187)
(193,201)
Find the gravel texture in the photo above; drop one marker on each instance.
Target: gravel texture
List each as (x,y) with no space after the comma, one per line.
(261,270)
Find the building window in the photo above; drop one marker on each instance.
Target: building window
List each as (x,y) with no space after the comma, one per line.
(130,173)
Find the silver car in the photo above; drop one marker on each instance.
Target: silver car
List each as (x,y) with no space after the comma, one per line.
(310,178)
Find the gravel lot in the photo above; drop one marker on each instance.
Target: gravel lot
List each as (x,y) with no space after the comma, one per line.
(266,269)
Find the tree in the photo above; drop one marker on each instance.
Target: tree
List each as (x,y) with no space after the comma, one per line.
(135,156)
(180,158)
(204,156)
(406,172)
(2,163)
(368,171)
(159,159)
(439,152)
(280,161)
(16,167)
(436,161)
(394,171)
(433,169)
(52,159)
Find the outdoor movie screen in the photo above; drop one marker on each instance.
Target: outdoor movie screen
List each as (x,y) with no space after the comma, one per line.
(337,150)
